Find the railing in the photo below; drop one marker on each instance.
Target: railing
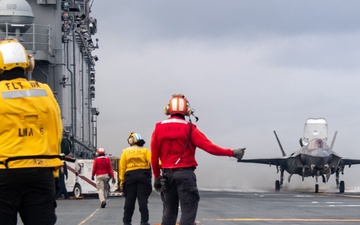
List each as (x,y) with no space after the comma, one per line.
(34,37)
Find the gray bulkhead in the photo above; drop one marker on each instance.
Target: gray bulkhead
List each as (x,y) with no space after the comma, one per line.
(59,34)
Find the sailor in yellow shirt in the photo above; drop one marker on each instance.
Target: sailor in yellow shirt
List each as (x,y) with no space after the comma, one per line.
(30,136)
(135,178)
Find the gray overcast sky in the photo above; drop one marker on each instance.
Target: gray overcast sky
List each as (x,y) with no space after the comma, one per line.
(247,67)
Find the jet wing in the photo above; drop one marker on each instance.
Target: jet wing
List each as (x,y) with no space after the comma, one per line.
(267,161)
(349,162)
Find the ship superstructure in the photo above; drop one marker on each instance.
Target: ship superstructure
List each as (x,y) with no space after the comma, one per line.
(59,34)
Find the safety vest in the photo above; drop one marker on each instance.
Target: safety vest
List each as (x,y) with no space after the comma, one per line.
(134,158)
(31,128)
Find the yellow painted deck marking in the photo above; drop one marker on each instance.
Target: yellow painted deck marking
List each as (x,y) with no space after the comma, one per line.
(85,220)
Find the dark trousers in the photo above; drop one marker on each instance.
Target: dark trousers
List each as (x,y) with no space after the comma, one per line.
(181,187)
(29,192)
(62,187)
(137,185)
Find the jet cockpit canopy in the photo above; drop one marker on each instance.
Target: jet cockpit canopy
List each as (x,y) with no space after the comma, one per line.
(317,143)
(315,128)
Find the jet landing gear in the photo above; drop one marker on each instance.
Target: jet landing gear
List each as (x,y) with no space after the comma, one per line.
(279,183)
(316,188)
(316,178)
(341,184)
(342,187)
(316,185)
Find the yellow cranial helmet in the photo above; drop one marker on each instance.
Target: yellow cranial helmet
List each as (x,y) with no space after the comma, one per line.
(13,54)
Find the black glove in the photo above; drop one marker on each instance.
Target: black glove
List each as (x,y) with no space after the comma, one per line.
(159,184)
(113,181)
(239,153)
(92,178)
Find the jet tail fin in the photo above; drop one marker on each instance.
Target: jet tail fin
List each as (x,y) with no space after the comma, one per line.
(333,140)
(281,148)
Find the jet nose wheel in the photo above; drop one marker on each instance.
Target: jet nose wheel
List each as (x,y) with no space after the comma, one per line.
(316,188)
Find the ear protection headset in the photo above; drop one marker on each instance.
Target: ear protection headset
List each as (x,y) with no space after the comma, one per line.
(31,63)
(134,138)
(178,105)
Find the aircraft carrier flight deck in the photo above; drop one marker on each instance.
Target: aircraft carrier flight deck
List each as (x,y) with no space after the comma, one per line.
(228,208)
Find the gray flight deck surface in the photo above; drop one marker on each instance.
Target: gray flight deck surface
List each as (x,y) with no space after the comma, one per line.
(222,207)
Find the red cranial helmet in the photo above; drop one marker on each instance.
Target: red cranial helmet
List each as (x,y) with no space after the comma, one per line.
(178,104)
(100,151)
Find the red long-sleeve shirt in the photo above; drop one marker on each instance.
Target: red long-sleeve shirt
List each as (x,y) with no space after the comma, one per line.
(168,145)
(102,165)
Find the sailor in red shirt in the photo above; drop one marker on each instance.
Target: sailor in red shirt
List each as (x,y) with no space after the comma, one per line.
(173,143)
(103,170)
